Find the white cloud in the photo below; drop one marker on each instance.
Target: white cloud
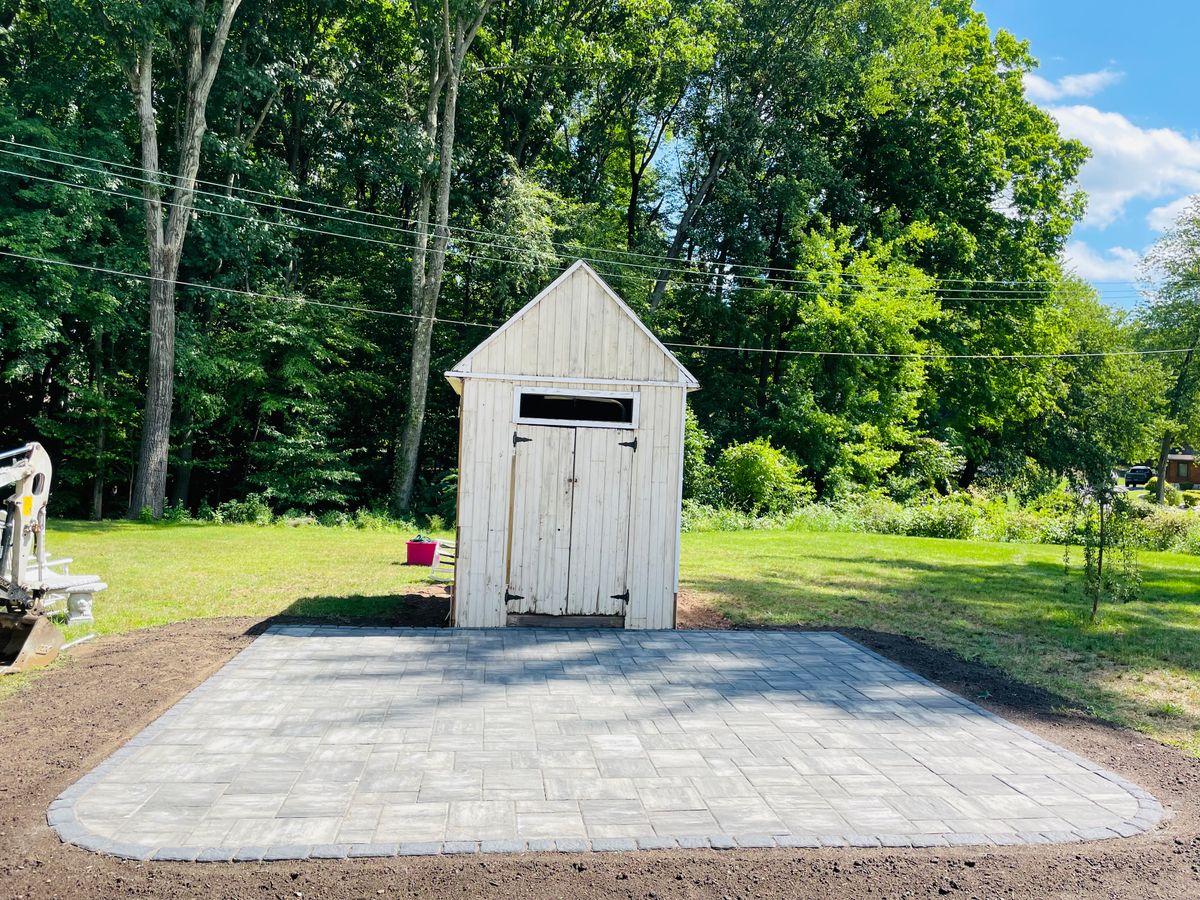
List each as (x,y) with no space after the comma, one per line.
(1114,264)
(1128,162)
(1086,84)
(1163,217)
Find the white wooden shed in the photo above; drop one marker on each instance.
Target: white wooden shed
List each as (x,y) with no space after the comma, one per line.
(570,465)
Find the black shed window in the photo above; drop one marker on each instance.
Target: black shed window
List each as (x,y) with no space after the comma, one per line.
(576,408)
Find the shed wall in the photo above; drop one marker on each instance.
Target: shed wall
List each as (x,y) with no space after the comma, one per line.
(485,471)
(576,332)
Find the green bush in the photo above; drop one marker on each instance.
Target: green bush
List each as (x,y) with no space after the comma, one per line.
(176,513)
(254,510)
(949,518)
(1164,528)
(699,479)
(697,516)
(372,520)
(965,516)
(875,514)
(758,478)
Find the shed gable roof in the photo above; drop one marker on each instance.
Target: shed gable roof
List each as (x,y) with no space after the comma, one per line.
(575,328)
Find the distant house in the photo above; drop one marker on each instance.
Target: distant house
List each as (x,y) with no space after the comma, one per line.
(1182,467)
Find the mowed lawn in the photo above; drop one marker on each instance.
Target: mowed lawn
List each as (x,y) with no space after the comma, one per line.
(1008,605)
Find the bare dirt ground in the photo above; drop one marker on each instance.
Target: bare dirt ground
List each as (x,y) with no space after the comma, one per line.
(69,719)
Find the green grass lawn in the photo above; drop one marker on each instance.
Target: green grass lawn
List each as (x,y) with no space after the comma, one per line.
(167,573)
(1003,604)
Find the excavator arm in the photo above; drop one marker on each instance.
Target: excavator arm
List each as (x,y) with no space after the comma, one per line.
(22,535)
(27,637)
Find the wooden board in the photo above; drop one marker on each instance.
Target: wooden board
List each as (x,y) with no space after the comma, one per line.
(600,522)
(539,556)
(528,620)
(577,330)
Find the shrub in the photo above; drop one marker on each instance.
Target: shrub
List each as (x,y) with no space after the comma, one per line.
(1152,485)
(929,464)
(333,518)
(699,480)
(757,478)
(374,520)
(699,516)
(875,514)
(949,518)
(1163,528)
(254,510)
(176,513)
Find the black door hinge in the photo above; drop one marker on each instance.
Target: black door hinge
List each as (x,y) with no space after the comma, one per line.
(624,598)
(517,439)
(631,444)
(510,597)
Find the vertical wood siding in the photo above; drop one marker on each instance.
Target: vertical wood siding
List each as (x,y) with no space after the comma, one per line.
(623,517)
(576,332)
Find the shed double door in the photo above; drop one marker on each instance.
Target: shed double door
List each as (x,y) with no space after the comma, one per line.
(569,520)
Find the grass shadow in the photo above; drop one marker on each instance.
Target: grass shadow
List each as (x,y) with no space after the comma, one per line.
(427,607)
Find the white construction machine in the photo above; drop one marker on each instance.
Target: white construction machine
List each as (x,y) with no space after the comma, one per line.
(33,589)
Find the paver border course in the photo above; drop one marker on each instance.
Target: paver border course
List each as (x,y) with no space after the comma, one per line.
(62,817)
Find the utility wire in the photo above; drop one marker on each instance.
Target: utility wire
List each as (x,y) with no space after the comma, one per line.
(383,312)
(238,292)
(883,281)
(474,256)
(662,263)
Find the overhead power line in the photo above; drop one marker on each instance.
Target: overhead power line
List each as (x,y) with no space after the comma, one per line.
(599,263)
(658,262)
(708,347)
(237,291)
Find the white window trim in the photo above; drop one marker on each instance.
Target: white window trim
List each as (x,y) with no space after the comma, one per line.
(635,396)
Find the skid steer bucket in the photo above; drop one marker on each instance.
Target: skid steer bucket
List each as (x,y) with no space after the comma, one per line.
(27,642)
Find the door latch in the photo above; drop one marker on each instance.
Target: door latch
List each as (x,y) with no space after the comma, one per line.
(517,439)
(630,444)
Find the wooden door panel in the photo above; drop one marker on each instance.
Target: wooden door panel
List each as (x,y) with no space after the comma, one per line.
(540,532)
(600,522)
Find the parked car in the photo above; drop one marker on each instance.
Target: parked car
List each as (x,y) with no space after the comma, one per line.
(1138,476)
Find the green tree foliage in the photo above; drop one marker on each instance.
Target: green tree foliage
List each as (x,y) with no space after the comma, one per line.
(1171,320)
(699,479)
(758,478)
(858,176)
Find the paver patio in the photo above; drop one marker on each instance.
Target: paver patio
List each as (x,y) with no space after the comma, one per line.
(334,742)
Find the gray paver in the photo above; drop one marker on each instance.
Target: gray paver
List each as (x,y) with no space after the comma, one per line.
(425,741)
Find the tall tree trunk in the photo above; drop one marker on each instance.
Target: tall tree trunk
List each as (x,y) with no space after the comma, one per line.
(429,259)
(683,229)
(1164,450)
(164,243)
(97,511)
(150,482)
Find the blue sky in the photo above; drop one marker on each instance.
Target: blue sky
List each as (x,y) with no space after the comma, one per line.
(1124,78)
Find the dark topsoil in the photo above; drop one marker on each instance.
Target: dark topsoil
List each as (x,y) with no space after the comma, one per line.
(72,716)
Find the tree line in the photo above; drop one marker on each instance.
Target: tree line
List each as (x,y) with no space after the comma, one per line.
(240,240)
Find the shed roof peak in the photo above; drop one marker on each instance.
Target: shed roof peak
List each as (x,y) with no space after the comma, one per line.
(685,377)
